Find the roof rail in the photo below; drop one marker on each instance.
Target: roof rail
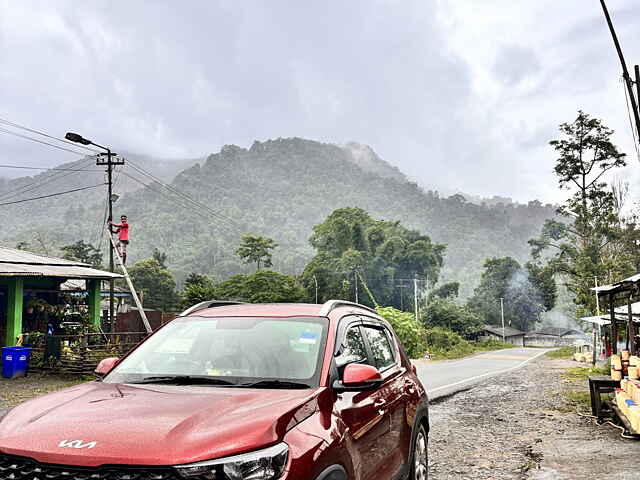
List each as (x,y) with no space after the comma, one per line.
(208,304)
(330,305)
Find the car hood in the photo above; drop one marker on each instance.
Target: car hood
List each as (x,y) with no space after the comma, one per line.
(108,424)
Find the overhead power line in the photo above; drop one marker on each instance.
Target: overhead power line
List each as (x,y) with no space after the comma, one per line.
(32,130)
(232,223)
(177,200)
(26,137)
(52,195)
(52,169)
(39,183)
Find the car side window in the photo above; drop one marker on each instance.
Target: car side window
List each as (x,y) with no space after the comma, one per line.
(381,347)
(355,350)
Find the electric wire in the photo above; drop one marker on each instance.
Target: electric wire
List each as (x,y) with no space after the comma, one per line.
(177,201)
(188,198)
(26,137)
(50,169)
(51,195)
(39,183)
(32,130)
(633,131)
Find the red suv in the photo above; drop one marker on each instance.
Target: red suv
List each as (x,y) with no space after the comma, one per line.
(232,392)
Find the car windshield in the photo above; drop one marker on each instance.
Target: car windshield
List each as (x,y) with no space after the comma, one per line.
(233,351)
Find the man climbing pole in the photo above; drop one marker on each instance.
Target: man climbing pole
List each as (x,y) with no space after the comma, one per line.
(122,229)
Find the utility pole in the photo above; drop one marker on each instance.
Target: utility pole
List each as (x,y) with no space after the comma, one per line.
(415,296)
(502,312)
(596,329)
(109,163)
(315,279)
(355,279)
(625,73)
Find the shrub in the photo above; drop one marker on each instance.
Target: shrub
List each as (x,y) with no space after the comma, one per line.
(443,343)
(411,332)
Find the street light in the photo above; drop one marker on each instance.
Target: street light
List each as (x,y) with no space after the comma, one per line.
(77,138)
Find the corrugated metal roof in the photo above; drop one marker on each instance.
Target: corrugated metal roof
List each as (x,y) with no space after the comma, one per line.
(18,270)
(620,286)
(12,255)
(19,263)
(508,331)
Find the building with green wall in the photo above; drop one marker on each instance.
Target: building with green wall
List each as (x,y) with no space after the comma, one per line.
(25,275)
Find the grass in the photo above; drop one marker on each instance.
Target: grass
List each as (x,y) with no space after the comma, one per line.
(467,348)
(563,352)
(584,372)
(578,399)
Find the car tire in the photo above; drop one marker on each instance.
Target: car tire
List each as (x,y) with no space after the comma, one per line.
(419,455)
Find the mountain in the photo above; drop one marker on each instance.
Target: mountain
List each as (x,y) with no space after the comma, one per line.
(280,188)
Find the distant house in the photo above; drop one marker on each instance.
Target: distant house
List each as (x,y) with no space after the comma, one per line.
(554,337)
(511,335)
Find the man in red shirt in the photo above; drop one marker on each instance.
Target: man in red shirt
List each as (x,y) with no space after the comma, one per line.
(122,229)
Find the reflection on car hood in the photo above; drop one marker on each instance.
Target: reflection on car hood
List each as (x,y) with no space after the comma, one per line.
(150,424)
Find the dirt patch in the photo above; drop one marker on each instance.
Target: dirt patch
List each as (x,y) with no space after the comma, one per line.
(18,390)
(521,426)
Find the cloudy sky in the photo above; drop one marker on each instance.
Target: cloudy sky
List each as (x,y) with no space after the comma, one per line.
(459,94)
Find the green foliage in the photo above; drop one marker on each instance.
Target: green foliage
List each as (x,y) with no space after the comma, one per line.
(447,290)
(160,256)
(525,296)
(82,252)
(263,286)
(156,283)
(587,243)
(442,312)
(410,332)
(445,344)
(562,352)
(256,249)
(281,189)
(197,288)
(350,244)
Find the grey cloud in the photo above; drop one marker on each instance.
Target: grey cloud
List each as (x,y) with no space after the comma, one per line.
(515,63)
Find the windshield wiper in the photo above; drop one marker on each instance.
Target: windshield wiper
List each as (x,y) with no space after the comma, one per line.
(183,380)
(275,384)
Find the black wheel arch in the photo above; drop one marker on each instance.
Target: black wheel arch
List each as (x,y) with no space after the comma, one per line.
(334,472)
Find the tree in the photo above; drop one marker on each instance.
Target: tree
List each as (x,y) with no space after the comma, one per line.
(197,288)
(525,296)
(351,245)
(256,249)
(577,247)
(156,283)
(160,256)
(447,290)
(263,286)
(442,312)
(82,252)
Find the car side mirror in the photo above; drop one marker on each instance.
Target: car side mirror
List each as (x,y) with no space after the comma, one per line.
(105,366)
(358,378)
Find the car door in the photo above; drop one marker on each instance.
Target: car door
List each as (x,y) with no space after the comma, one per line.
(391,396)
(362,413)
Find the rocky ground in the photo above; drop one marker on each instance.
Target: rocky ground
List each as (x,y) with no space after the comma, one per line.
(521,426)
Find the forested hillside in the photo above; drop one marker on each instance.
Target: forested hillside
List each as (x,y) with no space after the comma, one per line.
(278,188)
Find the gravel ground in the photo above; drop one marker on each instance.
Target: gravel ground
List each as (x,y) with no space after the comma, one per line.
(18,390)
(519,426)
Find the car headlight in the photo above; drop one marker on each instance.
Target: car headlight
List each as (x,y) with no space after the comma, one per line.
(267,464)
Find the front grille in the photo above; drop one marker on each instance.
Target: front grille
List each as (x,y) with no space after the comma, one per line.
(18,468)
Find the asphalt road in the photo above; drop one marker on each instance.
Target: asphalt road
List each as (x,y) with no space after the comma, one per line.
(442,378)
